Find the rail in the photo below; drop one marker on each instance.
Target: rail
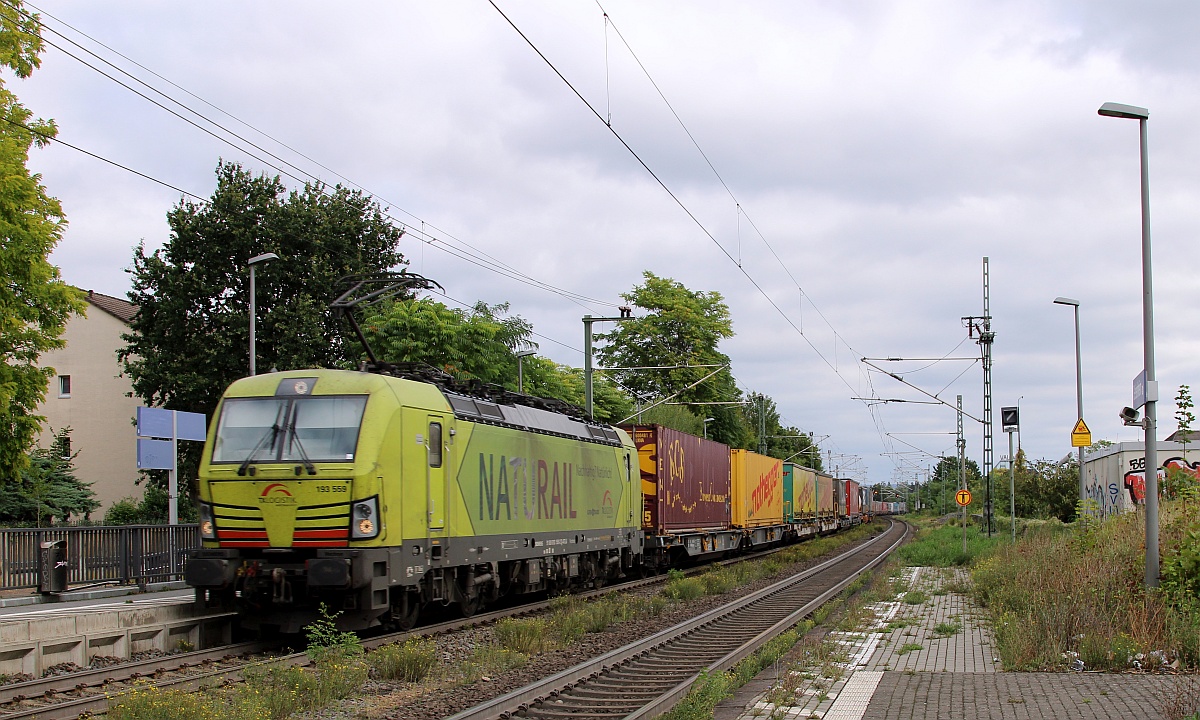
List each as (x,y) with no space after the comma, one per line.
(126,555)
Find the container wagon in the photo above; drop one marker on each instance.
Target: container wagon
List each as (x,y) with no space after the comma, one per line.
(757,497)
(685,484)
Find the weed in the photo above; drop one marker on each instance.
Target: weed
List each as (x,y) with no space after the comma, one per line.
(488,660)
(523,635)
(915,597)
(683,588)
(947,629)
(324,639)
(906,648)
(409,661)
(1048,597)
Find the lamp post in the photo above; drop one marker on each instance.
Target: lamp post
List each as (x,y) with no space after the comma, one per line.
(252,262)
(706,422)
(1150,424)
(520,370)
(1078,388)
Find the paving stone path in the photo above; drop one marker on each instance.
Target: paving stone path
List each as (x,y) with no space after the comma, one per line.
(929,655)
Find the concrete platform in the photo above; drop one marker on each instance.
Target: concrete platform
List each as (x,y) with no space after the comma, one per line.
(934,660)
(80,626)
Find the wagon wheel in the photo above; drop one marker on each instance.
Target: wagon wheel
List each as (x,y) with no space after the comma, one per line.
(468,606)
(405,616)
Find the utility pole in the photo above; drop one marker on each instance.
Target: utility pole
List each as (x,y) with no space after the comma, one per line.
(983,324)
(963,472)
(762,424)
(626,314)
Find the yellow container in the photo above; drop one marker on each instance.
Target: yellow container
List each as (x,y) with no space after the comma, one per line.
(757,491)
(804,492)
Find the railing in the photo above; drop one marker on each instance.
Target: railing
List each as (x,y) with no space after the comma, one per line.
(128,555)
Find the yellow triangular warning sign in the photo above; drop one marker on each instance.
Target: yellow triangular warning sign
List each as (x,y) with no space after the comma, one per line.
(1080,428)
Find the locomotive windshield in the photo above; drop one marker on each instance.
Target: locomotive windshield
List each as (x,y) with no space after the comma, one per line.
(286,429)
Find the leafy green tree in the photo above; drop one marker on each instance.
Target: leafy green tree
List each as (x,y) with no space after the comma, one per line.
(190,337)
(945,482)
(546,378)
(769,436)
(479,344)
(1044,489)
(47,490)
(34,302)
(680,327)
(675,417)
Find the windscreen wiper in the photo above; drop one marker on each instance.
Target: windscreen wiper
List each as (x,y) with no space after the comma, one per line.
(273,433)
(295,438)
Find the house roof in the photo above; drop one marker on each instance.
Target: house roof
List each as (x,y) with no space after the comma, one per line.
(122,310)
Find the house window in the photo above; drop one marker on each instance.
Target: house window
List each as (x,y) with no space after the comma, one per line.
(64,386)
(64,446)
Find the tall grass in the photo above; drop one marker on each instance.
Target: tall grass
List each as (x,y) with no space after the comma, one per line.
(943,547)
(1058,597)
(409,661)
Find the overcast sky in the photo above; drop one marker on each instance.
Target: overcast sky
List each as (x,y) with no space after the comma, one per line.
(867,157)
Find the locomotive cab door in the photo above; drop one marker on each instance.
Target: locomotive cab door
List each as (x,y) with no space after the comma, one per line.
(436,454)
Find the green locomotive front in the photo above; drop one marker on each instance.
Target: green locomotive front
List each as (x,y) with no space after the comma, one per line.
(377,495)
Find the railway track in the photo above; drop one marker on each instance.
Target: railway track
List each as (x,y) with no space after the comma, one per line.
(62,697)
(647,678)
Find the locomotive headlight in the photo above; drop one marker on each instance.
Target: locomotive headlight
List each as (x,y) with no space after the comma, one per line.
(208,530)
(363,524)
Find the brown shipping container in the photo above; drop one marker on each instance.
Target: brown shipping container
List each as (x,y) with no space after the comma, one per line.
(685,480)
(826,498)
(757,489)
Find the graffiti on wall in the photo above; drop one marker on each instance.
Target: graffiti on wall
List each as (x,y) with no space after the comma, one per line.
(1135,477)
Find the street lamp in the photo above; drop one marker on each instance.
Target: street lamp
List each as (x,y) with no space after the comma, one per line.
(706,422)
(1078,388)
(264,258)
(1150,424)
(520,370)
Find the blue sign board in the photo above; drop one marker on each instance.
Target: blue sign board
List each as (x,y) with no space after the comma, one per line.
(157,423)
(154,423)
(191,426)
(155,455)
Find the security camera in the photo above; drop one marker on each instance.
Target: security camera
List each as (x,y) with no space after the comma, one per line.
(1130,416)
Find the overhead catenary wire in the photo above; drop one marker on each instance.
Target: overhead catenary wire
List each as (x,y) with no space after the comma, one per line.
(683,206)
(666,188)
(465,252)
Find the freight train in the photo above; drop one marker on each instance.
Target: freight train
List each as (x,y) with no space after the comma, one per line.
(378,494)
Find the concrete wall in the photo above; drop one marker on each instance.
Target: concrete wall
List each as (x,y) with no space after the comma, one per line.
(1115,476)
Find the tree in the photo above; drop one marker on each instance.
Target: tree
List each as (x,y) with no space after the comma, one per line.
(1044,488)
(769,436)
(34,302)
(479,344)
(190,337)
(946,481)
(47,489)
(680,328)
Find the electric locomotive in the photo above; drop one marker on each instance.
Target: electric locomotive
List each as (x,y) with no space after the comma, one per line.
(378,493)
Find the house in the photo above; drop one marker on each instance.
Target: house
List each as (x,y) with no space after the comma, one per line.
(88,394)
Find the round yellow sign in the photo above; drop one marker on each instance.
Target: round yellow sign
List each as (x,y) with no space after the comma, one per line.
(963,497)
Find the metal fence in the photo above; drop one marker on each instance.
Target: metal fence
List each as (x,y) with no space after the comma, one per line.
(134,554)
